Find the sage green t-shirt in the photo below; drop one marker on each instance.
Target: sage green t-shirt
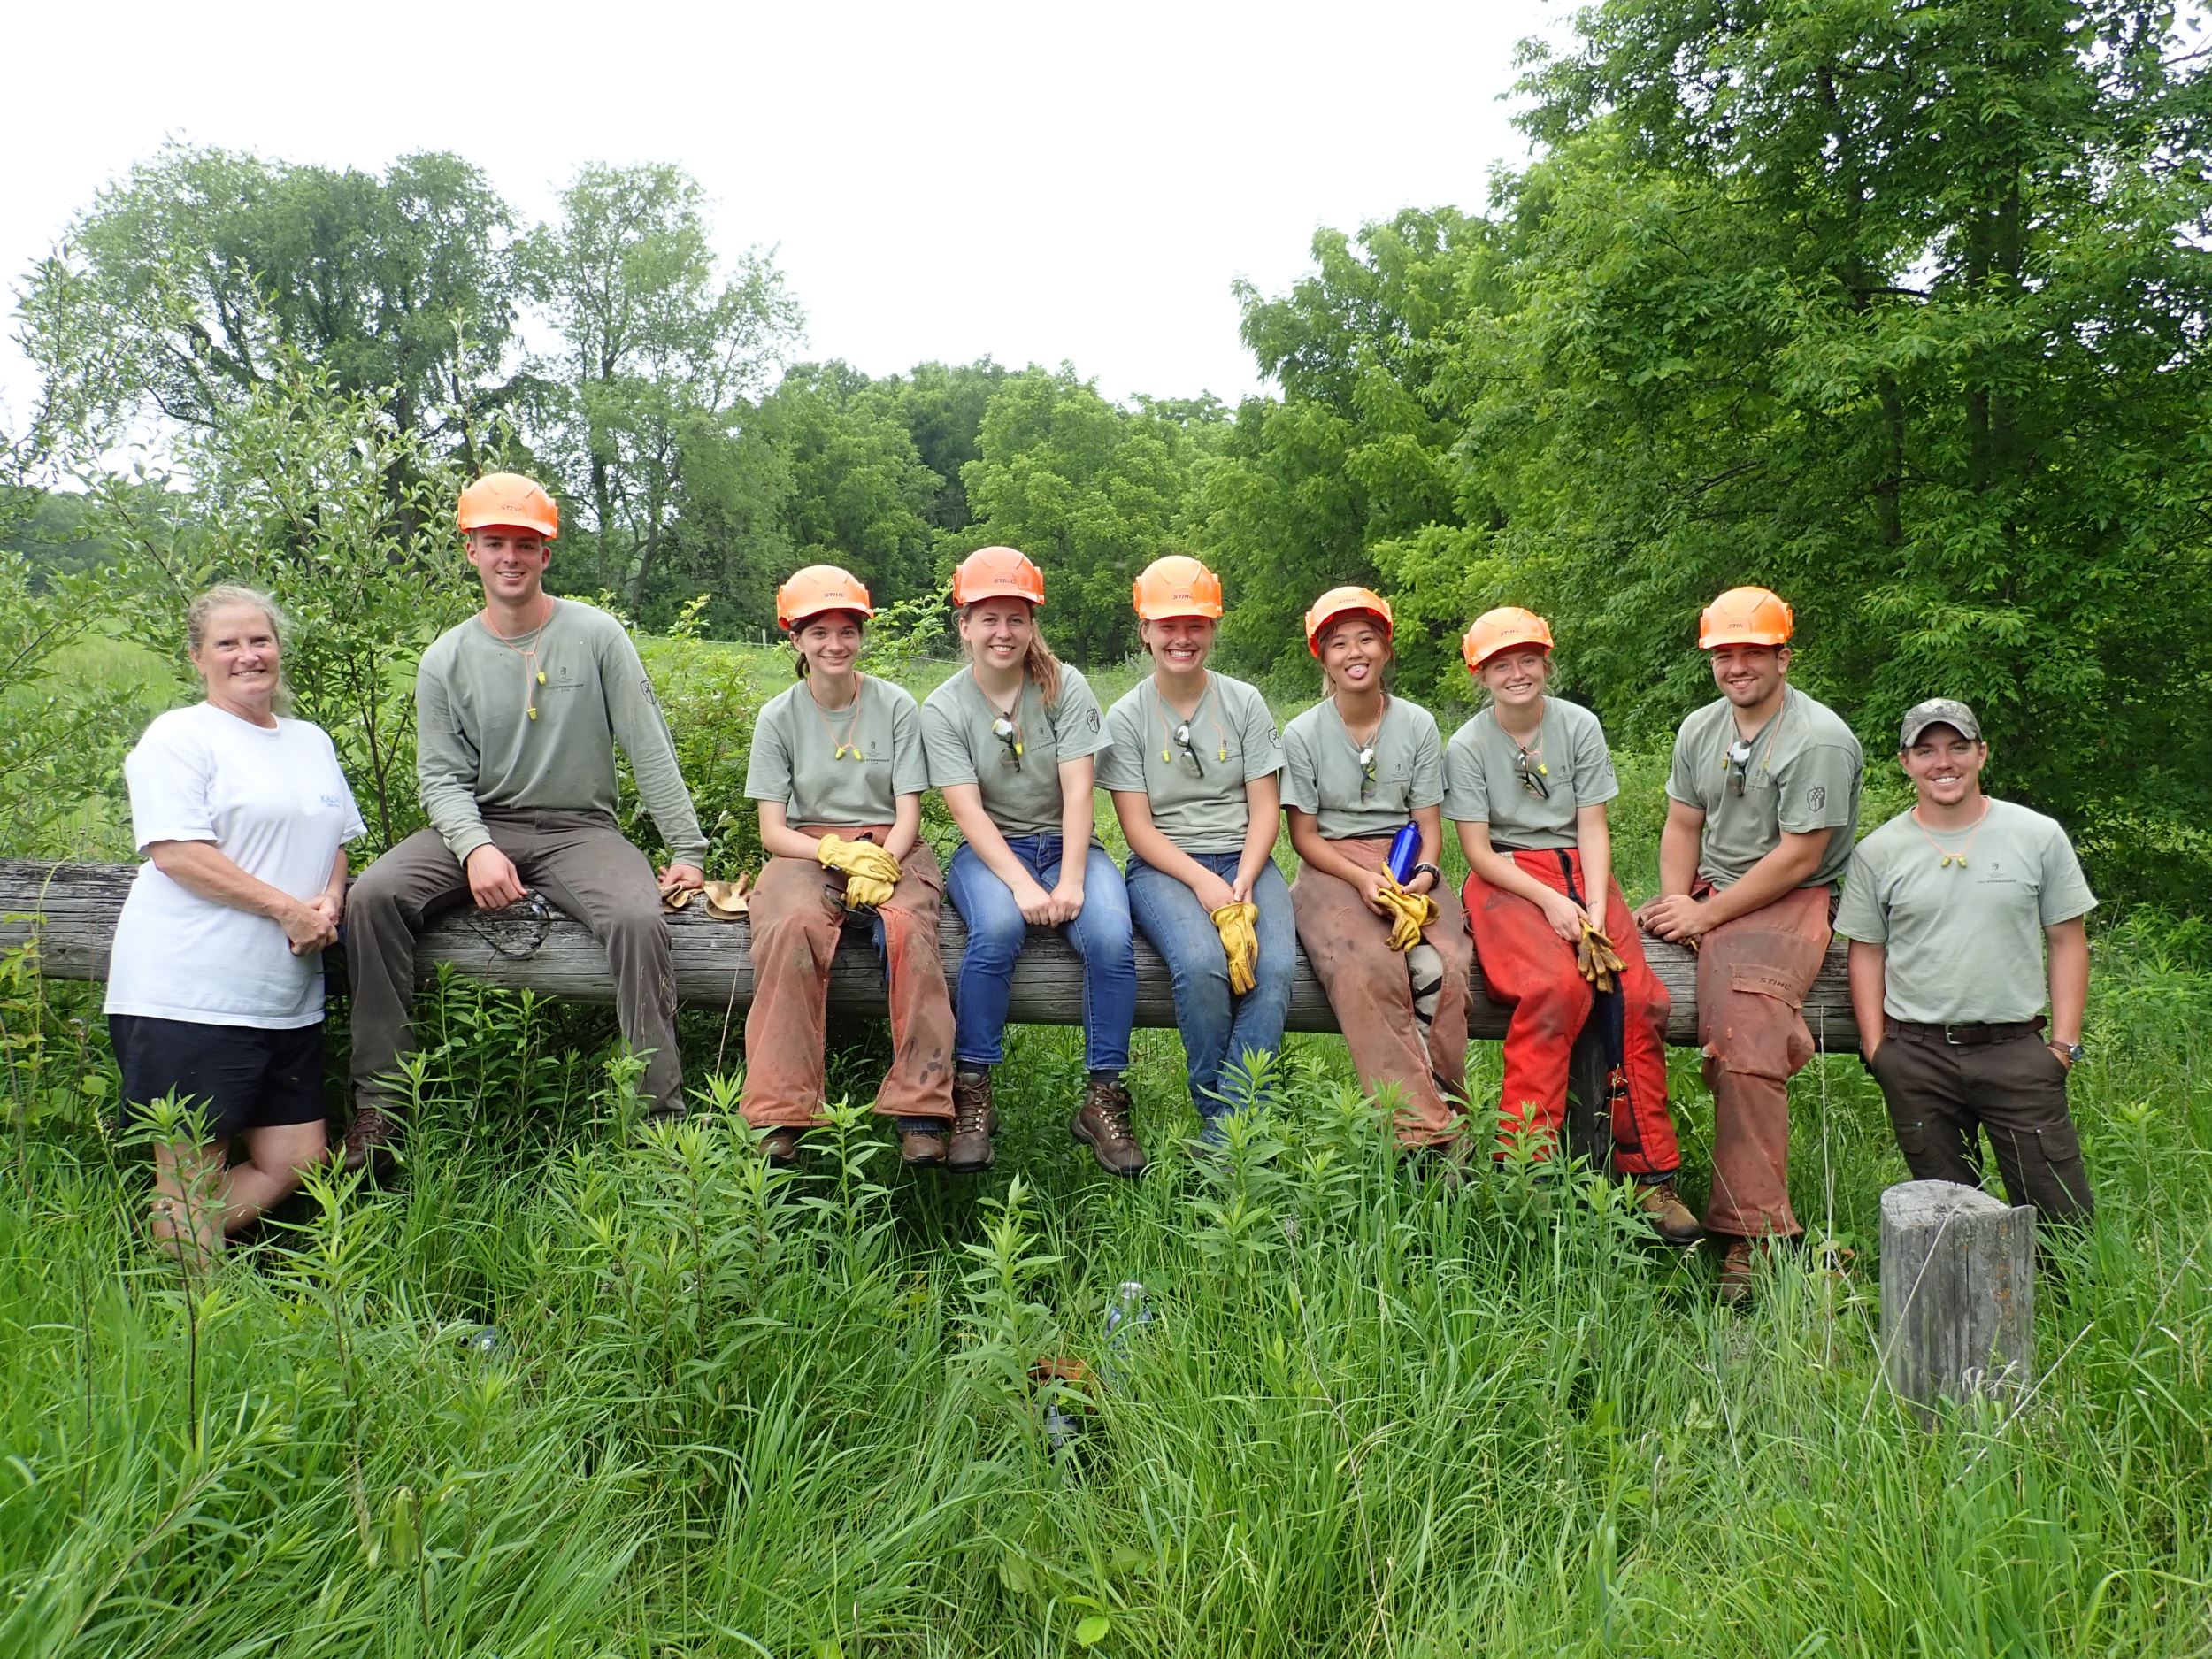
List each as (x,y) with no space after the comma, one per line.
(1482,782)
(1021,799)
(1963,941)
(795,761)
(1233,735)
(477,745)
(1322,775)
(1803,775)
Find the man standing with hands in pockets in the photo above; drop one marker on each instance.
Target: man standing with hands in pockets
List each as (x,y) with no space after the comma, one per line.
(1951,909)
(1761,808)
(518,712)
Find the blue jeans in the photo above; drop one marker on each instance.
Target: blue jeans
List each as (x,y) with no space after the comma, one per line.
(996,933)
(1217,1028)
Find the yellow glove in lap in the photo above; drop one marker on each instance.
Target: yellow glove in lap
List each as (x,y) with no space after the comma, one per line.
(866,892)
(1411,912)
(1596,960)
(1240,941)
(871,873)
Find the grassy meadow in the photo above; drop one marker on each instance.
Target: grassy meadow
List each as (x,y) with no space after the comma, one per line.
(577,1387)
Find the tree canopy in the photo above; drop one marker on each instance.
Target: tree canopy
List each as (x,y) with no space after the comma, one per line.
(1896,308)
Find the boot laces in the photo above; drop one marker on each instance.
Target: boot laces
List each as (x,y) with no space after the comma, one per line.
(970,1109)
(1113,1110)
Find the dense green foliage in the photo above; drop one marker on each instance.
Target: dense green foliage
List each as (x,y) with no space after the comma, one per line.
(1896,309)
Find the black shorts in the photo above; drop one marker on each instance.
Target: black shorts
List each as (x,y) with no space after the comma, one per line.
(241,1076)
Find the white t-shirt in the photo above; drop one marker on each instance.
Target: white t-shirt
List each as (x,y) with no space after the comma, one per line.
(275,804)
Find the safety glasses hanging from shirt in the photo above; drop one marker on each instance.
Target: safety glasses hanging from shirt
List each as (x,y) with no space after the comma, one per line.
(1190,754)
(1532,775)
(1010,735)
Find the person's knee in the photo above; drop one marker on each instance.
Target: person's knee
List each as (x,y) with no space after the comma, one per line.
(996,934)
(374,892)
(632,923)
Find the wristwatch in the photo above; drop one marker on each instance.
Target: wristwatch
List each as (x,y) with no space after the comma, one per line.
(2072,1050)
(1435,874)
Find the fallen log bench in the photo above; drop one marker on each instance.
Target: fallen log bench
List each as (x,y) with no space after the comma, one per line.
(71,910)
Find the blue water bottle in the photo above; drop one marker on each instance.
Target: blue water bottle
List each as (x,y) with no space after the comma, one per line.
(1405,852)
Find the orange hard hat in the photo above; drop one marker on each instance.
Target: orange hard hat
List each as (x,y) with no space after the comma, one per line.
(1746,615)
(511,499)
(1338,602)
(1176,586)
(997,572)
(1501,630)
(817,589)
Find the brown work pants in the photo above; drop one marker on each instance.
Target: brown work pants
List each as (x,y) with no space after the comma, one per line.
(584,867)
(1367,987)
(1752,976)
(797,913)
(1943,1096)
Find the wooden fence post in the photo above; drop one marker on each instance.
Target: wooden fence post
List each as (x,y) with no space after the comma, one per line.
(1958,1293)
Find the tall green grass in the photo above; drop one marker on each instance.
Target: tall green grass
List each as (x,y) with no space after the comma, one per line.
(723,1410)
(733,1411)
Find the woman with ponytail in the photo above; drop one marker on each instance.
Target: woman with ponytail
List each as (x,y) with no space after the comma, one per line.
(1011,740)
(837,771)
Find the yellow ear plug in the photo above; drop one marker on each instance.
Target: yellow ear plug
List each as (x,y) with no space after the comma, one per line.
(540,676)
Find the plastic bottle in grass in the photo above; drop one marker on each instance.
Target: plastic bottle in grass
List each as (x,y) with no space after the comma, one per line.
(1126,1318)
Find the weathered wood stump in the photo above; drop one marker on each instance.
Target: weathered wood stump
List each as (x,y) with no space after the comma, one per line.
(75,906)
(1958,1293)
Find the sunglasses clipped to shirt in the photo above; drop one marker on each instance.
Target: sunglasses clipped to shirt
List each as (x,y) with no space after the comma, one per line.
(1534,775)
(1190,751)
(1010,735)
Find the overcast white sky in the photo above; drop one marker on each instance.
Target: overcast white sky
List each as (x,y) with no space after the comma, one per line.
(1033,182)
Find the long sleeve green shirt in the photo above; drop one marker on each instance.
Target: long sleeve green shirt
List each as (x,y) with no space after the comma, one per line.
(478,746)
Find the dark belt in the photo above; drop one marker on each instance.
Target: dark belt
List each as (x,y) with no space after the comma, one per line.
(1962,1036)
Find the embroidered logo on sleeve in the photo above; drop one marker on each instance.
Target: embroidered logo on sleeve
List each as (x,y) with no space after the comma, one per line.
(1815,797)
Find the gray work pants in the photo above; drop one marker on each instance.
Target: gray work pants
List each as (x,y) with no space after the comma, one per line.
(584,868)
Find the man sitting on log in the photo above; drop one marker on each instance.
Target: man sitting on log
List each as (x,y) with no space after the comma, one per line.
(518,712)
(1950,908)
(1762,806)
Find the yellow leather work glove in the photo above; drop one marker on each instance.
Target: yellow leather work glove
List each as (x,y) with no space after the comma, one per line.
(1240,942)
(1411,912)
(858,858)
(867,891)
(1596,960)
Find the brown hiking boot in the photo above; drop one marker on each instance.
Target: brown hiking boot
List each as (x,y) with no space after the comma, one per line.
(1669,1217)
(974,1121)
(922,1146)
(371,1141)
(1740,1269)
(1103,1124)
(781,1146)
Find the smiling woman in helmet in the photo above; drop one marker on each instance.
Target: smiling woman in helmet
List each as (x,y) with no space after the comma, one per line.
(1527,782)
(1192,769)
(838,771)
(1358,767)
(1011,740)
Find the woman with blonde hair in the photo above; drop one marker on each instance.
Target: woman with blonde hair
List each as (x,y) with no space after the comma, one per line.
(215,987)
(838,771)
(1191,767)
(1526,781)
(1011,740)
